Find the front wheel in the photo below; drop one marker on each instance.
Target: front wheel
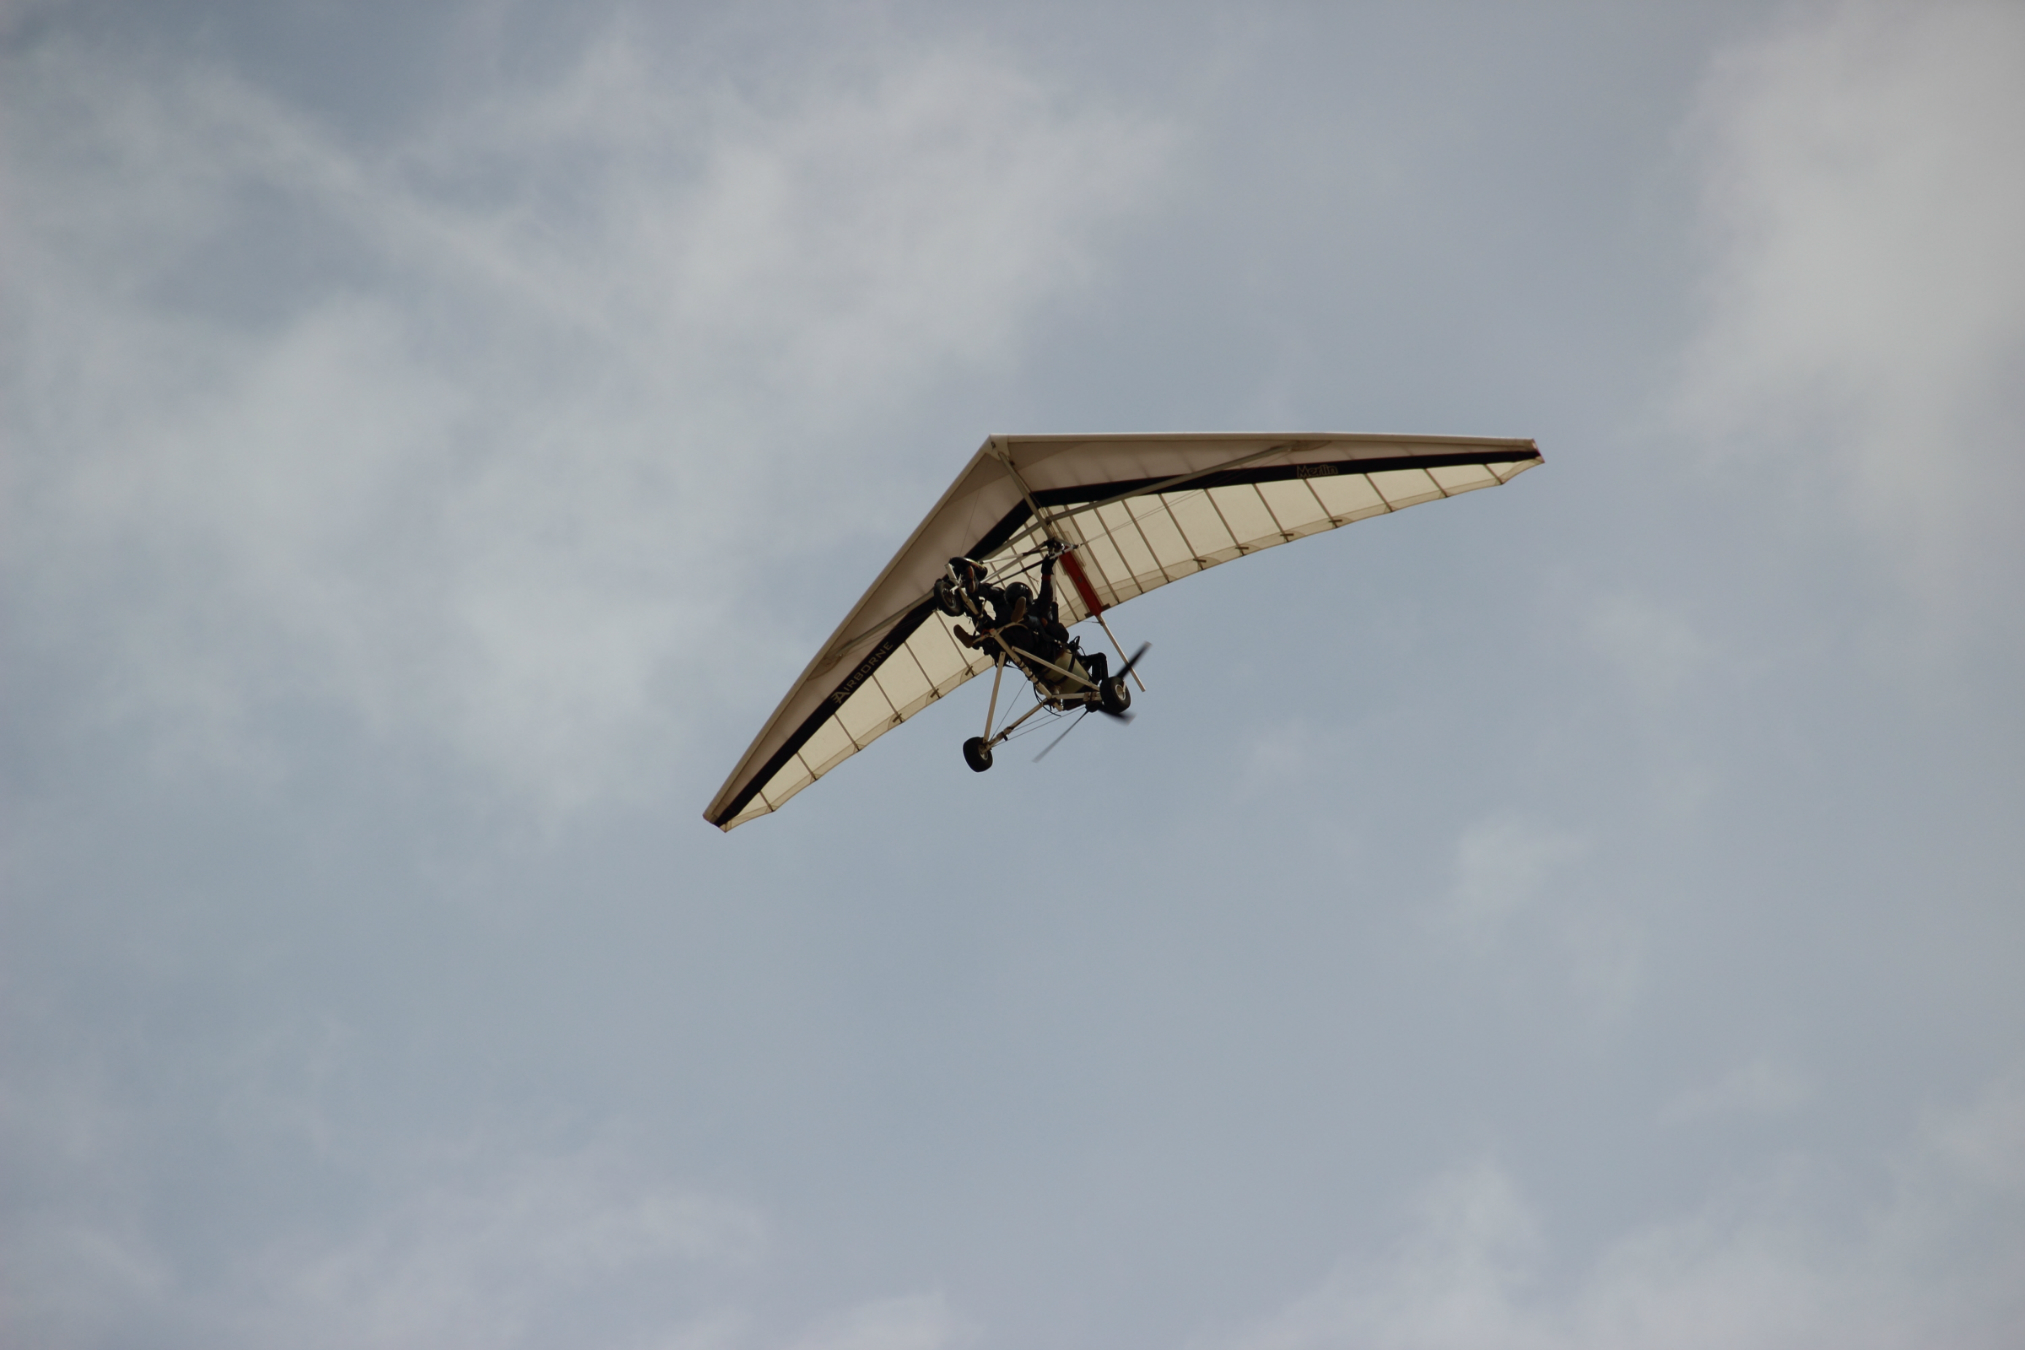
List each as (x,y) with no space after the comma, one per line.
(947,598)
(1113,696)
(977,754)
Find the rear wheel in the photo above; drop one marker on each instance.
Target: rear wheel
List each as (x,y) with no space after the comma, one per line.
(977,754)
(1113,696)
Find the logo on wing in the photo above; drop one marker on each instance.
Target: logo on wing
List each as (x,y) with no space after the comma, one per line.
(873,660)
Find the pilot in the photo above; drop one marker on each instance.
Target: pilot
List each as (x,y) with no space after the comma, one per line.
(995,608)
(1034,626)
(1009,611)
(1029,624)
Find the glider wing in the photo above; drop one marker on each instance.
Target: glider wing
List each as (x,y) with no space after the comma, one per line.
(1139,511)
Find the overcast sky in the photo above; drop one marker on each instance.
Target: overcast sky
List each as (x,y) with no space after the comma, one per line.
(1587,915)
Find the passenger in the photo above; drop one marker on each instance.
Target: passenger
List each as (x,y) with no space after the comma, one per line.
(1043,635)
(1032,626)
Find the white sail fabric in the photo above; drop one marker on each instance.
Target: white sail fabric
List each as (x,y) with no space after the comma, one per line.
(1139,511)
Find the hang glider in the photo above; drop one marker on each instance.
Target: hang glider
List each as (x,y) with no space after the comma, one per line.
(1122,514)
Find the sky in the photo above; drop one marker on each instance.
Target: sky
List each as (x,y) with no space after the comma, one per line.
(1585,914)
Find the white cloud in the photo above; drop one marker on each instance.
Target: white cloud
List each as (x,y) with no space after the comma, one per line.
(1865,317)
(1274,756)
(541,1250)
(1988,1143)
(485,1247)
(1451,1281)
(922,1322)
(1502,866)
(1515,893)
(1759,1088)
(1936,1260)
(483,1264)
(1657,649)
(485,436)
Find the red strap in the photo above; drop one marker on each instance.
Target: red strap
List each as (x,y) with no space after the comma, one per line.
(1081,582)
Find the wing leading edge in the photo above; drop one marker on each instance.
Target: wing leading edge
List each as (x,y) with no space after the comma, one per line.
(1140,511)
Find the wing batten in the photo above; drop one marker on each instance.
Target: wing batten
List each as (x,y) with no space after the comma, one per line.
(826,712)
(1148,511)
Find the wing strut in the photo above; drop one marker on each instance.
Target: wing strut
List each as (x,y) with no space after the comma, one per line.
(991,711)
(1081,581)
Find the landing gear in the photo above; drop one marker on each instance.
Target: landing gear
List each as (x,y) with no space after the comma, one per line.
(1017,627)
(977,754)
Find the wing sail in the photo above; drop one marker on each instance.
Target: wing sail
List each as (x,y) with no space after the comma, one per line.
(1140,511)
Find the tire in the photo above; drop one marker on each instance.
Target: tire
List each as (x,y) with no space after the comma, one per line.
(1114,696)
(977,754)
(946,598)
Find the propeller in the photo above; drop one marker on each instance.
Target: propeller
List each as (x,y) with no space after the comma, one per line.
(1063,737)
(1127,716)
(1144,647)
